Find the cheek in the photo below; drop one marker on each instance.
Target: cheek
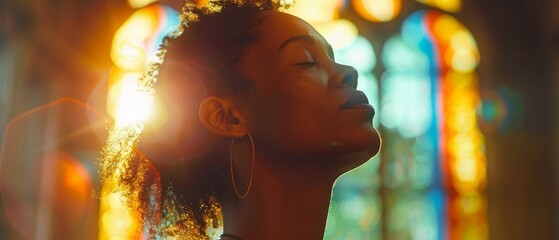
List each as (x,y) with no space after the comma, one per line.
(295,116)
(303,100)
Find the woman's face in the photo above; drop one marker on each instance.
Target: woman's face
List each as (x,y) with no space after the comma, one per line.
(305,107)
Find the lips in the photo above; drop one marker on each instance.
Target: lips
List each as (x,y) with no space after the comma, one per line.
(356,100)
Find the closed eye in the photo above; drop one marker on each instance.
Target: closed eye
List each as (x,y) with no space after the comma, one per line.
(306,64)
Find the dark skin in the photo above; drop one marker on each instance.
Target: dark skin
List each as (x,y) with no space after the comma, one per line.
(304,131)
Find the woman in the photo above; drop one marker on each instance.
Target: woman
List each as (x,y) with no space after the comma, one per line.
(262,121)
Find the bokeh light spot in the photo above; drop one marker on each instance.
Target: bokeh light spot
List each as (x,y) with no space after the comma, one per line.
(446,5)
(378,10)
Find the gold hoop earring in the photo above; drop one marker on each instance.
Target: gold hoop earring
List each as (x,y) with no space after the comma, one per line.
(231,168)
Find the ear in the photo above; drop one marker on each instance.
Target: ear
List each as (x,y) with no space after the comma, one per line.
(221,118)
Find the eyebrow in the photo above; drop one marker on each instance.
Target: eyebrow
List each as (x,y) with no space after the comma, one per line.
(308,39)
(304,38)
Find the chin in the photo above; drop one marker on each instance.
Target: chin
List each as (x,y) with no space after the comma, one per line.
(356,153)
(364,142)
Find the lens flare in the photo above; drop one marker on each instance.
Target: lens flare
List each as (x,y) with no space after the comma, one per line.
(501,110)
(124,171)
(133,104)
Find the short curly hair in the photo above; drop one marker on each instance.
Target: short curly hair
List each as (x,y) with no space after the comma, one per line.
(211,44)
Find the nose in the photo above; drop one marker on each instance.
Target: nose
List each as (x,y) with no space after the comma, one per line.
(346,77)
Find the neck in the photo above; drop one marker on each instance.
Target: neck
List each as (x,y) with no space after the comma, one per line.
(293,207)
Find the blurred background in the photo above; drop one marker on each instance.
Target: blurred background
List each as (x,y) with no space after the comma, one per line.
(465,93)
